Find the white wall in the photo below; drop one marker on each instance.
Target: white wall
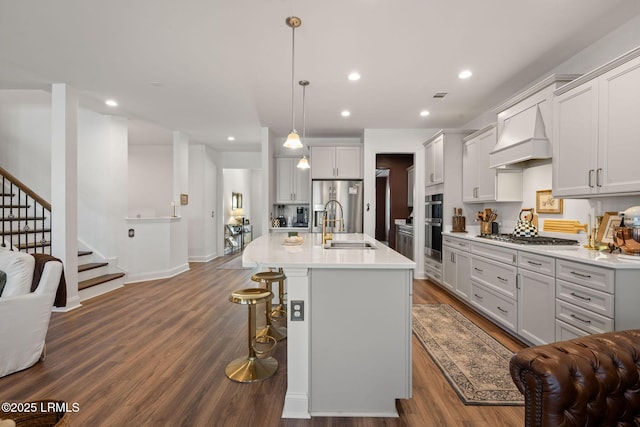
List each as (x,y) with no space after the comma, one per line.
(25,138)
(150,181)
(102,181)
(203,233)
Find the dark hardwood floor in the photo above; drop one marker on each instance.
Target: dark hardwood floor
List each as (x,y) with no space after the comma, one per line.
(154,353)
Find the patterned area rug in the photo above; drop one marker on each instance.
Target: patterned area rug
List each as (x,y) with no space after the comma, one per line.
(475,364)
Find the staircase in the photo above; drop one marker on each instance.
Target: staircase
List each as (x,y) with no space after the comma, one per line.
(25,225)
(95,276)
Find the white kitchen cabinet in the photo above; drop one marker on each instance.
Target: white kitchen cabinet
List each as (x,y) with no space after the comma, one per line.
(434,166)
(536,307)
(456,275)
(596,130)
(341,162)
(493,282)
(292,183)
(536,297)
(480,183)
(404,240)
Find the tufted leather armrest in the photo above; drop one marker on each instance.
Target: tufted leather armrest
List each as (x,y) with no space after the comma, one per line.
(588,381)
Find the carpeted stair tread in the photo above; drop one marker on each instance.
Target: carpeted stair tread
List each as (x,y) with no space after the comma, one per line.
(91,266)
(98,280)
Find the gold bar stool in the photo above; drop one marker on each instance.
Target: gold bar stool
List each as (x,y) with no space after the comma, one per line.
(252,368)
(268,277)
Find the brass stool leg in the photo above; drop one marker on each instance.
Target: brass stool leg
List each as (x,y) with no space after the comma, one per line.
(250,369)
(270,329)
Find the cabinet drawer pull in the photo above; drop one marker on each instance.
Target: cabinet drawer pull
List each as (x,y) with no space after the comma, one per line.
(461,244)
(478,269)
(502,279)
(598,173)
(478,296)
(502,310)
(591,177)
(588,322)
(573,294)
(537,264)
(585,276)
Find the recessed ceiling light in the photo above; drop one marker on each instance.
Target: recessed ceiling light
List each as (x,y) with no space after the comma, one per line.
(465,74)
(354,76)
(111,103)
(231,138)
(345,113)
(424,113)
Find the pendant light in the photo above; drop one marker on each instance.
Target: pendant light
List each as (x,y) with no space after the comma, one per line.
(293,140)
(303,163)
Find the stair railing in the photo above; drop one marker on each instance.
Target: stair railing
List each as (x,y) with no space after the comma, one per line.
(25,217)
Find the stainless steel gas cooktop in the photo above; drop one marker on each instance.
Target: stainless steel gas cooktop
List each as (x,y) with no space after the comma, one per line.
(537,240)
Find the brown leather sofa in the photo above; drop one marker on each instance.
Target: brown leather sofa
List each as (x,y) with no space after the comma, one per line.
(588,381)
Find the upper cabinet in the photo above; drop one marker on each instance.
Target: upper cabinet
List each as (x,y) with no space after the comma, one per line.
(597,131)
(434,166)
(481,183)
(342,162)
(292,183)
(443,163)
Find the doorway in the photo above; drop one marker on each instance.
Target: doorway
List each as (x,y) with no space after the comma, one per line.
(392,193)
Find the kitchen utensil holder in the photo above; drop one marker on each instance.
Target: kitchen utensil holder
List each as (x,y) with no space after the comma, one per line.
(485,228)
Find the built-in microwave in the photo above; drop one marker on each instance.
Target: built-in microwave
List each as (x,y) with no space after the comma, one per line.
(433,227)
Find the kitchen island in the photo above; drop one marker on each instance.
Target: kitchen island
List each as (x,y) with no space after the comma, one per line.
(349,349)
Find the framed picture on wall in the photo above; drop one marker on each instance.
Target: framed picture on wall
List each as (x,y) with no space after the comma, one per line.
(610,221)
(547,204)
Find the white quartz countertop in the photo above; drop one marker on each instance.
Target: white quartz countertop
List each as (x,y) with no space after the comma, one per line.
(272,251)
(572,253)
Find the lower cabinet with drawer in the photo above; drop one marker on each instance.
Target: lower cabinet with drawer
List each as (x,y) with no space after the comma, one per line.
(493,283)
(584,299)
(540,297)
(494,305)
(433,269)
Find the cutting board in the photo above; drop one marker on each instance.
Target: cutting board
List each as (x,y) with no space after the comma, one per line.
(564,226)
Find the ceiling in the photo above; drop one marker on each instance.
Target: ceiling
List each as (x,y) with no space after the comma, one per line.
(213,68)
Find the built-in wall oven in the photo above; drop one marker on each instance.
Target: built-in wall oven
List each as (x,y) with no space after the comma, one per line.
(433,236)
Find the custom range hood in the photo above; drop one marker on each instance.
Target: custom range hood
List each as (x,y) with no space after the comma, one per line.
(523,138)
(522,124)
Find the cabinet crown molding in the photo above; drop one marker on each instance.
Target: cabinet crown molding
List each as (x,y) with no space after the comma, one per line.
(479,132)
(626,57)
(537,87)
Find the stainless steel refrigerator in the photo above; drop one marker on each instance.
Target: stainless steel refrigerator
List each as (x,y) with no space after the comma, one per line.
(343,201)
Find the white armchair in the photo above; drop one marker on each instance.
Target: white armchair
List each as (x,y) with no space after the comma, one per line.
(24,315)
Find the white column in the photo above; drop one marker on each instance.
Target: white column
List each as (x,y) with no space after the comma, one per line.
(296,401)
(179,244)
(64,186)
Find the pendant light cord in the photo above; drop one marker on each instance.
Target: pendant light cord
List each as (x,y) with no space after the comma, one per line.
(304,114)
(293,57)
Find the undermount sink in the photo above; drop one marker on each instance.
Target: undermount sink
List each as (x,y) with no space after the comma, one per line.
(349,244)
